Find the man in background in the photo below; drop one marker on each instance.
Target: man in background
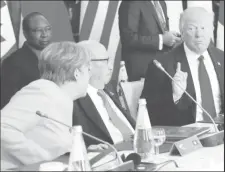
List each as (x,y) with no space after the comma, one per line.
(197,66)
(144,33)
(21,67)
(100,112)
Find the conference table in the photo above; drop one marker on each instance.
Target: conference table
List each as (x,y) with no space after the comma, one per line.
(203,159)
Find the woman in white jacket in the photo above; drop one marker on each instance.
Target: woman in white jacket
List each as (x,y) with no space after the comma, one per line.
(27,138)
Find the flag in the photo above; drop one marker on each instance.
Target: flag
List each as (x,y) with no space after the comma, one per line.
(174,9)
(57,15)
(220,27)
(99,21)
(8,40)
(75,20)
(205,4)
(15,14)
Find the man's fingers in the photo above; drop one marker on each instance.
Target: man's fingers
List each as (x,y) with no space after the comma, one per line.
(92,147)
(97,147)
(186,75)
(177,39)
(103,146)
(179,76)
(178,66)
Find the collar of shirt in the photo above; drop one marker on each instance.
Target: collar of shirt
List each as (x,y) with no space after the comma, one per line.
(35,51)
(192,55)
(53,89)
(91,90)
(56,94)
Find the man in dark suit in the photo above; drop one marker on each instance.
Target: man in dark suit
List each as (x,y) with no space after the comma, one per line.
(100,112)
(21,67)
(144,33)
(197,66)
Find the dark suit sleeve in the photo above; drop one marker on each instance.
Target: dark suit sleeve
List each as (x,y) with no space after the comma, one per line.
(158,93)
(10,81)
(129,23)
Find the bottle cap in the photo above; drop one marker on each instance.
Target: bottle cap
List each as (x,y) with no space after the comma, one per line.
(142,79)
(77,128)
(122,63)
(142,101)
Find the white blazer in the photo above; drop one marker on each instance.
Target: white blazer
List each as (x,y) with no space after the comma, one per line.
(27,138)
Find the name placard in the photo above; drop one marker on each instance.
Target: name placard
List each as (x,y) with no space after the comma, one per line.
(186,146)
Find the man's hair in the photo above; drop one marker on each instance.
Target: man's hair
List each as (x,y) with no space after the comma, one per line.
(98,49)
(27,19)
(59,60)
(200,10)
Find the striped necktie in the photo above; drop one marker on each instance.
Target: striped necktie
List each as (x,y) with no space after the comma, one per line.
(115,119)
(206,90)
(159,12)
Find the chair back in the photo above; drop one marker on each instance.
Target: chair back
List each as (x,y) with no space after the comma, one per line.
(132,92)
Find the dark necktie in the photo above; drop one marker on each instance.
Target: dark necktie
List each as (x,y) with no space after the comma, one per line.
(159,12)
(206,90)
(115,119)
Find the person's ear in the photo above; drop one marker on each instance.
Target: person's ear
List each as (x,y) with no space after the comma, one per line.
(25,34)
(77,74)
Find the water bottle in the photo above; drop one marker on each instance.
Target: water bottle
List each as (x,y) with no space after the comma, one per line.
(78,160)
(143,138)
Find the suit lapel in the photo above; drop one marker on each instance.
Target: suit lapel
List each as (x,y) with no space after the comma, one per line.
(117,103)
(151,9)
(219,70)
(92,113)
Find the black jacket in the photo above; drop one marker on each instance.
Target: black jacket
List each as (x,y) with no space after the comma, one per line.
(18,70)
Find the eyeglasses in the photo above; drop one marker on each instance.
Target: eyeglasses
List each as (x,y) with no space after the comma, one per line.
(41,30)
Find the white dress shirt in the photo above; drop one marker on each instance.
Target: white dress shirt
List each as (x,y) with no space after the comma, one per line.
(98,102)
(193,62)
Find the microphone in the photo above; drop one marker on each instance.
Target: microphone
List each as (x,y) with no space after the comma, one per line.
(136,158)
(86,134)
(146,166)
(211,140)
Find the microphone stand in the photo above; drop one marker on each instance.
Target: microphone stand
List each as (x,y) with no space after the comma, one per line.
(86,134)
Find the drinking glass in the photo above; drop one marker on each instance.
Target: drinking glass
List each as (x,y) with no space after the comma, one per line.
(159,137)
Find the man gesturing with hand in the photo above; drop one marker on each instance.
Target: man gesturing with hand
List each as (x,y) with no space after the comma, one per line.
(196,66)
(180,78)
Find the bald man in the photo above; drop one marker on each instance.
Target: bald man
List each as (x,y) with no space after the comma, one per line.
(197,66)
(100,112)
(21,67)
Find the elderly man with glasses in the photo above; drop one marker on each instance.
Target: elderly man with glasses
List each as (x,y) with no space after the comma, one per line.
(21,67)
(100,112)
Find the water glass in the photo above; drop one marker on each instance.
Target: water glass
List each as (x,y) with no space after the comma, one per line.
(159,137)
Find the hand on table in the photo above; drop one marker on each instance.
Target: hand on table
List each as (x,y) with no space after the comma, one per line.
(99,147)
